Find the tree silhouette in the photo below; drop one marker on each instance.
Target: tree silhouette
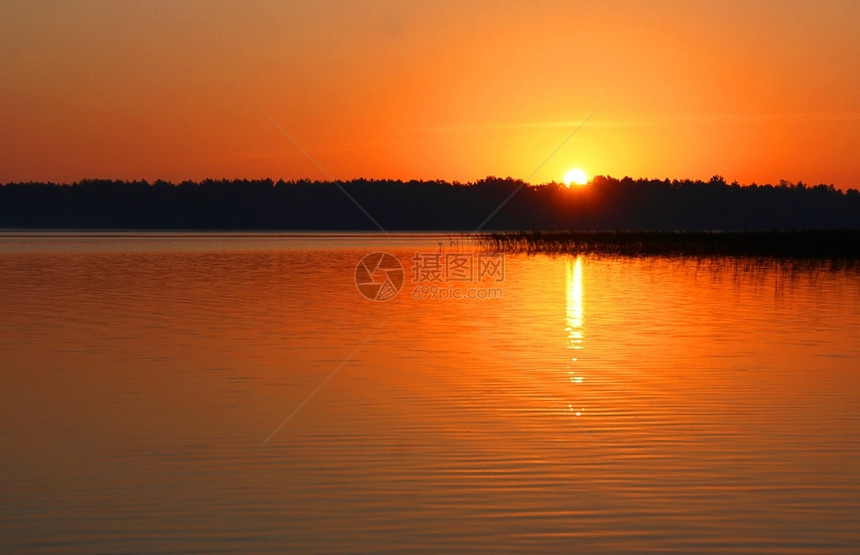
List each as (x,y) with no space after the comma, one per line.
(606,204)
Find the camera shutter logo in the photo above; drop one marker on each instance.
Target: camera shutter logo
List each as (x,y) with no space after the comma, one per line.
(379,276)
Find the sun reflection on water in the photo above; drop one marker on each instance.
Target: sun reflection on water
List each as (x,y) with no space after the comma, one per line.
(574,304)
(574,297)
(574,320)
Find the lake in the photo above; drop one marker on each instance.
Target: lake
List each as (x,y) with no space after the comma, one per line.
(240,392)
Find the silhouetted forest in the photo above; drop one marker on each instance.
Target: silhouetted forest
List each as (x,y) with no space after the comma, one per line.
(606,204)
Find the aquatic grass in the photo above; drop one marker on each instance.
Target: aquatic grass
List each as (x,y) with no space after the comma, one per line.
(805,244)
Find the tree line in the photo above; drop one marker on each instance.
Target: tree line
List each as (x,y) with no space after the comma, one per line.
(605,204)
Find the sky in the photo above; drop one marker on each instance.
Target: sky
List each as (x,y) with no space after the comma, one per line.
(755,91)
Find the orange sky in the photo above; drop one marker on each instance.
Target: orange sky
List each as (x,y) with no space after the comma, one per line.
(756,91)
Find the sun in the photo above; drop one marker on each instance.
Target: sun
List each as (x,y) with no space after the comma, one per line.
(575,177)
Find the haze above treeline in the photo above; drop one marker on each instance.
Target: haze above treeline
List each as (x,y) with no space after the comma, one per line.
(489,204)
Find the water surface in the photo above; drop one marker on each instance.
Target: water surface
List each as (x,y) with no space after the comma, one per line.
(596,405)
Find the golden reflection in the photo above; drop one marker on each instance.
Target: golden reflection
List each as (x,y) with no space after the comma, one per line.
(574,304)
(574,320)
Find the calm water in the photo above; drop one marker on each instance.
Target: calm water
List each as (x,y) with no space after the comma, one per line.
(168,392)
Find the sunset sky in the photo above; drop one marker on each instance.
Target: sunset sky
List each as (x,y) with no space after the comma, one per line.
(755,91)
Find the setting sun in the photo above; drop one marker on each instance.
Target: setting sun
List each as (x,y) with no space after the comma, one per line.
(575,177)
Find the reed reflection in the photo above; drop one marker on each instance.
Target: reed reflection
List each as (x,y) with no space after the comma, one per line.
(574,321)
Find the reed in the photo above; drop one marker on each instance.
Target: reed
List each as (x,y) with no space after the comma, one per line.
(808,244)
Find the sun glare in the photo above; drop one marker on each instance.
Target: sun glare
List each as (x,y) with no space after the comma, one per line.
(575,177)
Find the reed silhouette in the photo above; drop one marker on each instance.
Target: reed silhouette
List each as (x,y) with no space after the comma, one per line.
(807,244)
